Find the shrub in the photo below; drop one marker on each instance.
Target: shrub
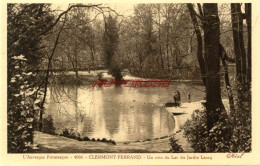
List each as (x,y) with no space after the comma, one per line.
(70,134)
(104,140)
(241,130)
(175,147)
(202,140)
(229,134)
(86,139)
(112,142)
(79,139)
(65,132)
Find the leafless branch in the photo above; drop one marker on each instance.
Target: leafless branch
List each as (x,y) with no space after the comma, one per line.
(95,6)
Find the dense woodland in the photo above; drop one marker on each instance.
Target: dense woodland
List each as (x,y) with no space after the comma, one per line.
(176,41)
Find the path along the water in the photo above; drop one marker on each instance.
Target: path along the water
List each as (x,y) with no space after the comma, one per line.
(57,144)
(181,115)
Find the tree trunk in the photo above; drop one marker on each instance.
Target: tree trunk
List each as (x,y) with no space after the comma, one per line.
(248,10)
(93,58)
(211,28)
(47,75)
(167,50)
(167,44)
(240,53)
(199,42)
(159,37)
(76,59)
(223,56)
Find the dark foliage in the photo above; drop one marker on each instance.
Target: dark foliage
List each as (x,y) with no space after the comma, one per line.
(175,147)
(116,72)
(25,24)
(48,125)
(110,40)
(70,133)
(112,142)
(229,134)
(104,140)
(86,139)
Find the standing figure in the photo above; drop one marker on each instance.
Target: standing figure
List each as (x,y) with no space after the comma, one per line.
(175,97)
(178,97)
(189,96)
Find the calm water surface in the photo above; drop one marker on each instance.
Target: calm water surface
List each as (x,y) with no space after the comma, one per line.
(118,113)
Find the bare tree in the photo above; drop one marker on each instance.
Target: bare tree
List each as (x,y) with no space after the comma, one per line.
(209,65)
(97,7)
(193,15)
(239,47)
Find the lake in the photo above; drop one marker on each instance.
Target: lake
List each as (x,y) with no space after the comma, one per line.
(117,113)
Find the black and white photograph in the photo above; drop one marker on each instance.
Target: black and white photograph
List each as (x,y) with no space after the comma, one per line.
(129,78)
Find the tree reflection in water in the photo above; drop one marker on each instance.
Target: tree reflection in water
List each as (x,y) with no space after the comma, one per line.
(118,113)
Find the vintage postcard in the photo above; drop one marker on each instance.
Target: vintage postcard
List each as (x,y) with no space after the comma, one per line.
(129,83)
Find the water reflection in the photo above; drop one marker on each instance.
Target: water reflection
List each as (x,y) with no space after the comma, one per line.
(121,114)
